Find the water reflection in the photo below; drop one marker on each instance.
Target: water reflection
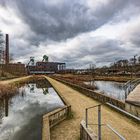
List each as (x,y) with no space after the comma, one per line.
(32,88)
(21,115)
(44,89)
(113,89)
(6,106)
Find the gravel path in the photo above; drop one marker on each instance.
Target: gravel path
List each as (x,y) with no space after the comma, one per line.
(69,129)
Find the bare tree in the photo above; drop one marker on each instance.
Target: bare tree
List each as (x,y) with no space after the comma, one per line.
(1,52)
(139,59)
(1,39)
(1,47)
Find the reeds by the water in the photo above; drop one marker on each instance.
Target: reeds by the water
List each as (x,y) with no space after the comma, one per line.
(7,90)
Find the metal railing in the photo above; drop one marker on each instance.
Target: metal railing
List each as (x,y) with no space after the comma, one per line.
(99,119)
(130,86)
(100,123)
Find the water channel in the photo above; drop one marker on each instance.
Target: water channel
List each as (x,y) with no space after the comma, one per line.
(21,115)
(110,88)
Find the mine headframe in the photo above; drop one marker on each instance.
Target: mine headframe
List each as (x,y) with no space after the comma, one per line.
(32,61)
(45,58)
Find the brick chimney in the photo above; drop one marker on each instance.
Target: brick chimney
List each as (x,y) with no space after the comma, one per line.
(7,50)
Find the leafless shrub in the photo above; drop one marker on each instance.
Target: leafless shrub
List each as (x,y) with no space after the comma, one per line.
(7,90)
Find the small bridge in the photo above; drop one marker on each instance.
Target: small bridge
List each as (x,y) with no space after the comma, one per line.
(130,86)
(133,97)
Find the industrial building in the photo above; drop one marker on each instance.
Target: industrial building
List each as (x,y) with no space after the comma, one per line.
(44,67)
(40,67)
(5,65)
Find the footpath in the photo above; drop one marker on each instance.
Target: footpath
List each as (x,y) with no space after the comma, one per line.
(70,128)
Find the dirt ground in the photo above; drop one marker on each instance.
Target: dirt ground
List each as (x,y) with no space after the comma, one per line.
(69,129)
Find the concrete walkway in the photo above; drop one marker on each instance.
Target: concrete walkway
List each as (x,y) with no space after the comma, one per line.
(69,129)
(134,96)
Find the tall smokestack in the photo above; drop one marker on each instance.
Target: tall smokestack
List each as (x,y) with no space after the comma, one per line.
(7,50)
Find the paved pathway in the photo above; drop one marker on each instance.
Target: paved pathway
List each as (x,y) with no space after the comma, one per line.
(69,129)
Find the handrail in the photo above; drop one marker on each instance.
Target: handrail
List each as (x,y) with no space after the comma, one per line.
(125,85)
(99,119)
(94,106)
(120,136)
(99,122)
(124,112)
(131,85)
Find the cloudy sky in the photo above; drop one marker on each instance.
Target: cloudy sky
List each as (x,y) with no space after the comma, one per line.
(78,32)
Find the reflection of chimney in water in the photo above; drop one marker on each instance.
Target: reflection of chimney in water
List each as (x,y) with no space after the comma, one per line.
(7,50)
(6,106)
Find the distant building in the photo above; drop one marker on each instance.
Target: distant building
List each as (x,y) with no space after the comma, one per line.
(5,66)
(44,67)
(14,68)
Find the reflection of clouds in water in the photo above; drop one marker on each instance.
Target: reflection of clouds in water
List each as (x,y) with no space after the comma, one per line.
(23,109)
(17,119)
(110,88)
(113,89)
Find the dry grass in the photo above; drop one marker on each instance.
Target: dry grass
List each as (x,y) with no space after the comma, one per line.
(114,78)
(10,87)
(89,77)
(78,80)
(7,90)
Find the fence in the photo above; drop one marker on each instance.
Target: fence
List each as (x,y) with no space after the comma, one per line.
(53,118)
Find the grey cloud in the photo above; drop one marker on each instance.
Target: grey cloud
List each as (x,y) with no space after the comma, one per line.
(106,51)
(61,20)
(66,19)
(135,39)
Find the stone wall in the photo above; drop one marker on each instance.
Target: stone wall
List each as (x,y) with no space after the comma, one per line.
(135,110)
(86,133)
(53,118)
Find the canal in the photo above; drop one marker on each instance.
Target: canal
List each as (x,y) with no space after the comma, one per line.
(110,88)
(21,115)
